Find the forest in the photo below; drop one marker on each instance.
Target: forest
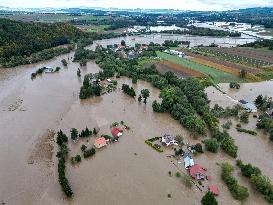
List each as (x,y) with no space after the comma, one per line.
(23,39)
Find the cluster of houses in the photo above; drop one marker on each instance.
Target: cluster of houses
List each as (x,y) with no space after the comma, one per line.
(102,141)
(196,171)
(180,54)
(129,52)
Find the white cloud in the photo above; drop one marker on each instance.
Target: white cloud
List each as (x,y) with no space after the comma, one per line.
(151,4)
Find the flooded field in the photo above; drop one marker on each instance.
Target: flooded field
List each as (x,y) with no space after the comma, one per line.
(125,172)
(247,143)
(160,38)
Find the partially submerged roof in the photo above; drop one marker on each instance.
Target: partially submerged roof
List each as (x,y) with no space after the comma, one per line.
(100,141)
(214,189)
(116,132)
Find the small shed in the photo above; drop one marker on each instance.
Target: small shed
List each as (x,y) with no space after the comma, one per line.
(213,189)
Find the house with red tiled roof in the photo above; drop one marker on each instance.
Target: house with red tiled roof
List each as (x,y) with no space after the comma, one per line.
(197,172)
(213,189)
(100,142)
(116,132)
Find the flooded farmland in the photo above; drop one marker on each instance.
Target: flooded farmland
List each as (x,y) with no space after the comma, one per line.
(125,172)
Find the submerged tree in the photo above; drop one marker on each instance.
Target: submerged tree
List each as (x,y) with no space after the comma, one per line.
(145,94)
(74,134)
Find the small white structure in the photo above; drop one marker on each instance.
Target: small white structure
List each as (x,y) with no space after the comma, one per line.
(168,140)
(249,107)
(49,70)
(109,80)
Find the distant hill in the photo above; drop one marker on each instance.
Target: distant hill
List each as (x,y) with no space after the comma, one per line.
(23,39)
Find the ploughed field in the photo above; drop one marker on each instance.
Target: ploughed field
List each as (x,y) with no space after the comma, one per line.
(246,56)
(179,70)
(215,74)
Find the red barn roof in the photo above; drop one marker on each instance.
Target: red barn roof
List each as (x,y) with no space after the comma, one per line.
(214,189)
(196,171)
(116,132)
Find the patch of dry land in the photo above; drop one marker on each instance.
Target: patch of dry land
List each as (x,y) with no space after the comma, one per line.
(126,172)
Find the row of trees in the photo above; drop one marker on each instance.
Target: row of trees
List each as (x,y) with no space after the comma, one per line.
(237,191)
(260,182)
(62,155)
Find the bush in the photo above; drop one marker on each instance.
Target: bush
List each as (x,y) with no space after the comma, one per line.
(244,117)
(209,199)
(234,85)
(89,153)
(64,62)
(211,145)
(76,159)
(178,174)
(199,148)
(83,148)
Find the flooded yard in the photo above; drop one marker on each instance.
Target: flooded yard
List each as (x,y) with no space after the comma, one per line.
(127,172)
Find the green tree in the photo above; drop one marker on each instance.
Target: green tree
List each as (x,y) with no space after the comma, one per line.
(74,134)
(139,98)
(145,94)
(211,145)
(209,199)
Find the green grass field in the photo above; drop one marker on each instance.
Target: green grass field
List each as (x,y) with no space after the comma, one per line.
(217,75)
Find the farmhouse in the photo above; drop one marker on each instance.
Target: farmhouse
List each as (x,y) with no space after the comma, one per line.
(100,142)
(188,161)
(168,140)
(197,172)
(249,107)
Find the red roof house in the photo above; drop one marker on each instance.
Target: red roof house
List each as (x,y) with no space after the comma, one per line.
(214,189)
(197,172)
(100,142)
(116,132)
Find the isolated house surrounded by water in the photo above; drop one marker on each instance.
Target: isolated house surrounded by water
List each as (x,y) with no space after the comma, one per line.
(249,107)
(197,172)
(116,132)
(100,142)
(188,161)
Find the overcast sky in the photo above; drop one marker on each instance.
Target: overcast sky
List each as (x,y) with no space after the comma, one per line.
(150,4)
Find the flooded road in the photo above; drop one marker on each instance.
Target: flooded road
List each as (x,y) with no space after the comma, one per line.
(127,172)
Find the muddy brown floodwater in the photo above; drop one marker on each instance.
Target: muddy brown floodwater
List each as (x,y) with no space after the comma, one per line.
(127,172)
